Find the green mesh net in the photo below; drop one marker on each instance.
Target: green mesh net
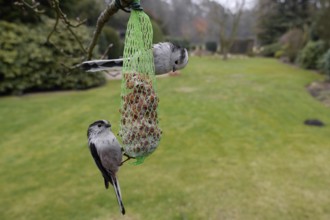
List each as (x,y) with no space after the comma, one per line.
(139,128)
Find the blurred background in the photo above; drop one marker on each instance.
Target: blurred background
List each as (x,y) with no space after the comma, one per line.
(293,31)
(245,124)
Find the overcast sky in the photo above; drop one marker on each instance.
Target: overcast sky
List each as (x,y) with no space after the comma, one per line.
(231,3)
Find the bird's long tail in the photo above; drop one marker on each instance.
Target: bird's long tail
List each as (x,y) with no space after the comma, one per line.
(99,65)
(118,194)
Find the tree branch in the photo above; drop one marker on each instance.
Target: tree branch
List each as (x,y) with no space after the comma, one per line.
(33,6)
(225,17)
(110,10)
(60,15)
(54,29)
(237,17)
(107,51)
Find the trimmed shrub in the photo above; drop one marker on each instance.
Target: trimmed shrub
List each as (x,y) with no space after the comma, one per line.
(211,46)
(324,64)
(158,33)
(310,55)
(270,50)
(111,36)
(279,54)
(242,46)
(292,42)
(28,63)
(179,41)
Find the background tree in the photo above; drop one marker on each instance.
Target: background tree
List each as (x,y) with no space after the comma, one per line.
(321,17)
(275,17)
(184,22)
(227,19)
(201,27)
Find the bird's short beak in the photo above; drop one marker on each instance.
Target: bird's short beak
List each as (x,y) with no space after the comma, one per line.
(107,125)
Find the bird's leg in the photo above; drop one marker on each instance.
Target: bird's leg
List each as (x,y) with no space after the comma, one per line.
(127,159)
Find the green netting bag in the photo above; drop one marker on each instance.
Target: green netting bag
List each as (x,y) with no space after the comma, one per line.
(139,128)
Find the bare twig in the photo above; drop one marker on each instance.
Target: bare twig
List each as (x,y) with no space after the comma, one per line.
(60,15)
(106,51)
(69,69)
(114,74)
(77,39)
(34,6)
(224,16)
(54,29)
(110,10)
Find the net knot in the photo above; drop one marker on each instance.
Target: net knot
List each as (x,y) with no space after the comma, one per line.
(135,5)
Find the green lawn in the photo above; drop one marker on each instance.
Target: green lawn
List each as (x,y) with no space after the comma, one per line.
(234,146)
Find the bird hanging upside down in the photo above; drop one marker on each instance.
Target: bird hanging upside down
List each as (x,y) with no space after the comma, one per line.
(167,57)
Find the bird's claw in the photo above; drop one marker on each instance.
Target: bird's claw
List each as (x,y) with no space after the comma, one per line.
(127,159)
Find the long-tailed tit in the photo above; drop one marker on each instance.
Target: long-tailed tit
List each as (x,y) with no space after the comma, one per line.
(167,57)
(107,154)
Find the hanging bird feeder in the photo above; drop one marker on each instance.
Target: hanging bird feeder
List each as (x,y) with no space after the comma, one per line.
(139,124)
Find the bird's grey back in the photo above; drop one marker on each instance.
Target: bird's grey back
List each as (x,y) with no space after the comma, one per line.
(162,57)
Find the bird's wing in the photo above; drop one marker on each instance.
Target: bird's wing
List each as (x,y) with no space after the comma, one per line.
(108,177)
(98,163)
(112,157)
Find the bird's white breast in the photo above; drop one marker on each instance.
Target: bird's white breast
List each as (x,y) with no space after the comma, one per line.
(104,141)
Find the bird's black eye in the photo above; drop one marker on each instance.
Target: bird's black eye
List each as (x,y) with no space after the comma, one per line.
(99,125)
(176,62)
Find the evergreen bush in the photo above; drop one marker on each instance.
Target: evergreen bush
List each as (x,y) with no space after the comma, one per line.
(211,46)
(179,41)
(158,33)
(271,49)
(28,63)
(111,36)
(309,56)
(324,64)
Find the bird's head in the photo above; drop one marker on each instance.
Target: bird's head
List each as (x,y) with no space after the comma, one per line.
(98,127)
(179,57)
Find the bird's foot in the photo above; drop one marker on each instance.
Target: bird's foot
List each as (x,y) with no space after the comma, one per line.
(127,159)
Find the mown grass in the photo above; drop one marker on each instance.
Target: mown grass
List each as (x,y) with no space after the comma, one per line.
(234,146)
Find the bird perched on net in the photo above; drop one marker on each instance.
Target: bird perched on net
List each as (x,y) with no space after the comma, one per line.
(107,155)
(167,57)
